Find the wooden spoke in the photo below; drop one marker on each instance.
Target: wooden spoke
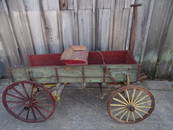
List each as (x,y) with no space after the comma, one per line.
(122,97)
(20,112)
(139,114)
(133,95)
(42,115)
(143,106)
(117,105)
(128,115)
(11,95)
(133,116)
(27,115)
(26,93)
(115,99)
(141,99)
(32,88)
(149,101)
(138,109)
(127,93)
(117,109)
(139,94)
(42,108)
(18,92)
(117,114)
(123,115)
(33,113)
(132,106)
(15,101)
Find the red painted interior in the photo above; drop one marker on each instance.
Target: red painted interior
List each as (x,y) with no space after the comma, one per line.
(110,57)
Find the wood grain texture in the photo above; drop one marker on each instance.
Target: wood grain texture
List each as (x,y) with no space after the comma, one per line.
(73,74)
(155,36)
(85,24)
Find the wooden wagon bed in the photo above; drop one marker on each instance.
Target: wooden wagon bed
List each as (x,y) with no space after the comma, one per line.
(108,66)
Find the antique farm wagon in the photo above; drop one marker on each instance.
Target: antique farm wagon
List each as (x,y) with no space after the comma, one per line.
(35,89)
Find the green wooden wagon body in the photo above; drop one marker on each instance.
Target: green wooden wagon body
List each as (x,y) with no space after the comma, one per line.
(76,74)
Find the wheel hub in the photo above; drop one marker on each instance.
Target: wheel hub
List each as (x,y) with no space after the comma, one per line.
(29,103)
(131,108)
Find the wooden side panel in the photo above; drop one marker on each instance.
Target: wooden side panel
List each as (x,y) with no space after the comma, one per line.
(19,74)
(74,74)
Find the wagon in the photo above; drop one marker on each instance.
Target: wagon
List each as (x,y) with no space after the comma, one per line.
(35,91)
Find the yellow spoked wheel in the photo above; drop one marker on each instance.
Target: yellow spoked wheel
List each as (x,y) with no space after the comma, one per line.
(130,104)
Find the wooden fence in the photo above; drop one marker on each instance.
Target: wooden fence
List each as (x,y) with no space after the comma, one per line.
(48,26)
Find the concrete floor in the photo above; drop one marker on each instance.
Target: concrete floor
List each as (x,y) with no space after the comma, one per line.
(83,110)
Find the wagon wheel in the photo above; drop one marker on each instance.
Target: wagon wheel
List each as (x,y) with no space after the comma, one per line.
(28,101)
(130,104)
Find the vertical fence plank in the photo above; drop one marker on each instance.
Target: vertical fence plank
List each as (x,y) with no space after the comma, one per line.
(143,24)
(157,25)
(21,29)
(50,10)
(164,68)
(103,29)
(37,26)
(85,28)
(7,36)
(67,27)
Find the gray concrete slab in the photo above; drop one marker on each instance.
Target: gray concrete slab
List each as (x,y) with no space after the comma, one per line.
(81,109)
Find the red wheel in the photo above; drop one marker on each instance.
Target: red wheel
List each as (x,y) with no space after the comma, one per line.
(28,101)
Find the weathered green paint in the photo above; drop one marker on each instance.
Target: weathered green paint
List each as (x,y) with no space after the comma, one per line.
(73,74)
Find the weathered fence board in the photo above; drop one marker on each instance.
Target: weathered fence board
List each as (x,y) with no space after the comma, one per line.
(155,35)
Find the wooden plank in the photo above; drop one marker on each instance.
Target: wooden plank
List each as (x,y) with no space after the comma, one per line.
(52,32)
(120,25)
(85,24)
(104,4)
(155,35)
(4,57)
(165,61)
(37,26)
(85,4)
(21,29)
(7,36)
(143,20)
(50,9)
(103,29)
(67,28)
